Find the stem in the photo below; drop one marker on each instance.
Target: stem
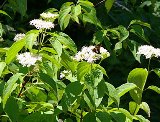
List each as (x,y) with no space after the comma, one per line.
(149,63)
(3,4)
(23,85)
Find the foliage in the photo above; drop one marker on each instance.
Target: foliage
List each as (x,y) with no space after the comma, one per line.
(58,86)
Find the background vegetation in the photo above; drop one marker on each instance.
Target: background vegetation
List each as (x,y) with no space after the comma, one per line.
(118,25)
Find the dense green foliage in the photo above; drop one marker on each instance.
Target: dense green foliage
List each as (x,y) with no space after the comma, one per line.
(120,87)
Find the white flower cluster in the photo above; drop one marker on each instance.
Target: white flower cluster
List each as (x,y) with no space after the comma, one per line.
(91,54)
(41,24)
(19,36)
(148,51)
(48,15)
(28,59)
(64,73)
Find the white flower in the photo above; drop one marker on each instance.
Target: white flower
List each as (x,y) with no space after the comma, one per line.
(148,51)
(19,36)
(91,54)
(64,73)
(41,24)
(157,52)
(104,53)
(28,59)
(48,15)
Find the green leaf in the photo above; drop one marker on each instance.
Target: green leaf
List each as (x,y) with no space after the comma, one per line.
(48,49)
(3,12)
(73,91)
(133,46)
(112,93)
(48,80)
(118,116)
(89,117)
(125,112)
(139,22)
(9,87)
(124,88)
(22,7)
(109,4)
(157,71)
(12,109)
(50,58)
(141,118)
(138,30)
(137,76)
(31,38)
(133,108)
(67,41)
(57,46)
(36,94)
(68,63)
(154,88)
(146,108)
(103,117)
(2,66)
(124,33)
(76,10)
(13,50)
(83,68)
(64,15)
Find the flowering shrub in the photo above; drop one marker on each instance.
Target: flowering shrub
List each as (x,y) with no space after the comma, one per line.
(43,78)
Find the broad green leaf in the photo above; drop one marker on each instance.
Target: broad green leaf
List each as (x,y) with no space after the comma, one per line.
(9,87)
(48,49)
(124,88)
(48,80)
(57,46)
(138,30)
(124,111)
(154,88)
(88,99)
(112,93)
(137,76)
(133,108)
(83,68)
(146,108)
(118,47)
(89,117)
(3,12)
(139,22)
(103,117)
(13,50)
(2,66)
(36,94)
(39,117)
(141,118)
(133,46)
(22,7)
(157,71)
(118,116)
(76,10)
(68,63)
(50,58)
(124,33)
(109,4)
(1,30)
(67,41)
(64,15)
(31,38)
(133,1)
(73,91)
(12,109)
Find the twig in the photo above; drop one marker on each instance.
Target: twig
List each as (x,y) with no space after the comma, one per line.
(99,3)
(23,85)
(3,4)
